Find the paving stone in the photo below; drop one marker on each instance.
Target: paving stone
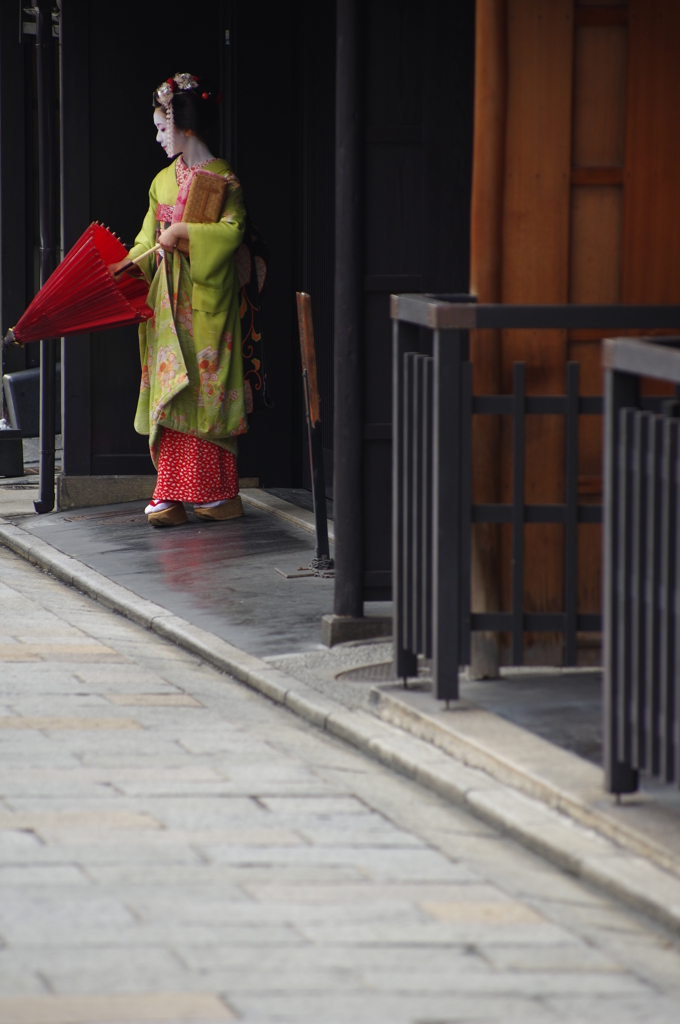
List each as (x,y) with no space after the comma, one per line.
(97,852)
(67,820)
(67,653)
(202,906)
(55,782)
(81,930)
(31,920)
(627,1009)
(316,805)
(328,983)
(40,874)
(162,839)
(508,983)
(437,933)
(204,812)
(388,864)
(87,704)
(227,851)
(370,892)
(375,1008)
(26,981)
(377,837)
(169,700)
(17,845)
(111,869)
(570,959)
(498,912)
(275,962)
(129,1007)
(11,653)
(128,676)
(216,787)
(53,723)
(80,969)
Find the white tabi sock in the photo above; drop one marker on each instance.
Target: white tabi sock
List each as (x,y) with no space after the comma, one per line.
(212,504)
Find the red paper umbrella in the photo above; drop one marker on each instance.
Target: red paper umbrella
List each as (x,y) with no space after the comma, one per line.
(82,296)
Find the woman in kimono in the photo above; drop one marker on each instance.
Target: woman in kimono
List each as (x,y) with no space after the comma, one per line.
(191,401)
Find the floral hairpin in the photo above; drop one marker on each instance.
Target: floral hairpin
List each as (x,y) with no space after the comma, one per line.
(185,81)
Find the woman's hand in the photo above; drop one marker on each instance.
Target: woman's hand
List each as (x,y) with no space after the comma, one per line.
(115,269)
(171,236)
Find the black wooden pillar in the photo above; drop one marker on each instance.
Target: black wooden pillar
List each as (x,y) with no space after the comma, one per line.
(49,220)
(348,359)
(75,216)
(13,178)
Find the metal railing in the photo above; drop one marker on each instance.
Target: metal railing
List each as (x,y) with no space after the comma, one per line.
(433,511)
(641,566)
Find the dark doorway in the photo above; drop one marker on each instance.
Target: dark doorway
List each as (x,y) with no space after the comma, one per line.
(419,109)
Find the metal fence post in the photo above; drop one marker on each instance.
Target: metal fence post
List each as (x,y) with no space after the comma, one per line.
(669,582)
(641,579)
(571,517)
(621,390)
(446,525)
(518,458)
(404,339)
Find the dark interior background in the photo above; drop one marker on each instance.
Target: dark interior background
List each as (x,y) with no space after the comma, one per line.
(276,68)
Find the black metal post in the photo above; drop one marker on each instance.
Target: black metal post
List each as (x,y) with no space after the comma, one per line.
(48,181)
(348,418)
(571,517)
(404,339)
(447,450)
(323,553)
(621,390)
(518,485)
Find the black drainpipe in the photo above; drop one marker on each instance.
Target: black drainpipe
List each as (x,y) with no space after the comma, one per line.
(48,177)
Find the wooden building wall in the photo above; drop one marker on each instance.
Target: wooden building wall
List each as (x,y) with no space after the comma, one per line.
(575,199)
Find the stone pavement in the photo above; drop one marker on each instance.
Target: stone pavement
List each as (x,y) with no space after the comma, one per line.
(222,579)
(174,847)
(241,608)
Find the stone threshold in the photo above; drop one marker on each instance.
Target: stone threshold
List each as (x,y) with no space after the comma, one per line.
(285,510)
(90,491)
(641,822)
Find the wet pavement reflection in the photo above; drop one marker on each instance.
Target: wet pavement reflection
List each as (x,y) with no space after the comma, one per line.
(219,576)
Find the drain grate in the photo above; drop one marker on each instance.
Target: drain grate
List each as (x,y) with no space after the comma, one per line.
(119,517)
(380,673)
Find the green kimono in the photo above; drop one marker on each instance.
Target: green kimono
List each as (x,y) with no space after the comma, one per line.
(190,349)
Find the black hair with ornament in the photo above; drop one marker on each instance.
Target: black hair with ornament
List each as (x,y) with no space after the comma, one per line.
(188,101)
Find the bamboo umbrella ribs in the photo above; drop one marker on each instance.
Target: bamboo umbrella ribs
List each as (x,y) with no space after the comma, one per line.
(81,295)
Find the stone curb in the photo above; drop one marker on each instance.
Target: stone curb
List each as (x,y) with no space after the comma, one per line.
(476,754)
(550,833)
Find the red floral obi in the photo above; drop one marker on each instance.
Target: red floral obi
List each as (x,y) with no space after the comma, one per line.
(163,221)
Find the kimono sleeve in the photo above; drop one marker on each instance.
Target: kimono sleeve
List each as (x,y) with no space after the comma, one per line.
(212,249)
(147,236)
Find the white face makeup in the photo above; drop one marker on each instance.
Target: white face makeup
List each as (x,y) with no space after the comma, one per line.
(192,148)
(160,122)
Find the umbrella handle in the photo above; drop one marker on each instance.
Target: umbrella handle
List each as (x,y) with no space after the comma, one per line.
(154,248)
(138,259)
